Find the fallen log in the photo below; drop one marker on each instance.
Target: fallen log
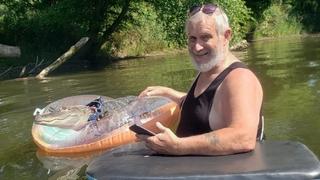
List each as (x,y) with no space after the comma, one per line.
(67,55)
(3,73)
(7,51)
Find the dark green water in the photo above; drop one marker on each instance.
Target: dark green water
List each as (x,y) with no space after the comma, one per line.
(288,69)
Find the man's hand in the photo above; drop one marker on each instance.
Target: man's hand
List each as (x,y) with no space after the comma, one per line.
(165,142)
(155,91)
(172,94)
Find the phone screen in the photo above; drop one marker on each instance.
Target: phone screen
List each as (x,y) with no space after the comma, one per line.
(141,130)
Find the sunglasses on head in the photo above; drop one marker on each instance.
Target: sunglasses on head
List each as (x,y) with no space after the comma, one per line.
(206,8)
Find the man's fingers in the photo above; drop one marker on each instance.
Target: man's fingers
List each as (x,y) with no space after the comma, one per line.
(143,93)
(146,92)
(161,127)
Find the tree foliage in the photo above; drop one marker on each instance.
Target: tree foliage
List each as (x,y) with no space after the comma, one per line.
(60,23)
(308,11)
(174,14)
(137,26)
(142,33)
(258,7)
(275,22)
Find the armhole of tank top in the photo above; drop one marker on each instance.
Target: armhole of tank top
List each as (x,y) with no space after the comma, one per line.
(182,102)
(195,79)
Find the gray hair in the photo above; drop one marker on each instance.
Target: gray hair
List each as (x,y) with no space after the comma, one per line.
(221,21)
(219,16)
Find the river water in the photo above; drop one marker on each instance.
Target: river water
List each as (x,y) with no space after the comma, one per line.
(289,70)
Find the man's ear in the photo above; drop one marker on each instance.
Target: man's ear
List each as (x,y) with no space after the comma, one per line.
(227,35)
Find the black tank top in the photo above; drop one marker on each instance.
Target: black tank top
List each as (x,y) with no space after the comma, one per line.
(195,111)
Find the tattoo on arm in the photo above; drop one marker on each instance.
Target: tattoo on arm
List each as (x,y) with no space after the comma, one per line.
(212,138)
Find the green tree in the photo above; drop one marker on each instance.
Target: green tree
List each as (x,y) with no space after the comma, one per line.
(276,22)
(258,7)
(143,32)
(60,23)
(174,13)
(308,11)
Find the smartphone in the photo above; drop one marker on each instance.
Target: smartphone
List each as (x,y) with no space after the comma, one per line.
(141,130)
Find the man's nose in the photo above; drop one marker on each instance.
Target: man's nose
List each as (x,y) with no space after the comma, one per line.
(198,47)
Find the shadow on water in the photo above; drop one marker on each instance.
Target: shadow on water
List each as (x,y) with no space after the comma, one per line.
(77,64)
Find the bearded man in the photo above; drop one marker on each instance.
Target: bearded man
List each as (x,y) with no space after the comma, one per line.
(220,114)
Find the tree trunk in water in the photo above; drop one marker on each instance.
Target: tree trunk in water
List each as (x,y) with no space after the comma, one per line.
(95,41)
(9,51)
(67,55)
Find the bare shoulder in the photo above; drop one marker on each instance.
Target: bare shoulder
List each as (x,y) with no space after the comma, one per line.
(240,98)
(242,77)
(243,85)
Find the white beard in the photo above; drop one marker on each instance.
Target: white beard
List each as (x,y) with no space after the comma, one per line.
(216,58)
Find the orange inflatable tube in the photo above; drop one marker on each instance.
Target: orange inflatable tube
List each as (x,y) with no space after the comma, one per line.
(167,114)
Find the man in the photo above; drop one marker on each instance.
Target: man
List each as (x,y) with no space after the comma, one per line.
(220,114)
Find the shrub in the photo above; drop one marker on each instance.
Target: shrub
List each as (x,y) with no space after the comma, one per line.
(142,34)
(174,14)
(276,22)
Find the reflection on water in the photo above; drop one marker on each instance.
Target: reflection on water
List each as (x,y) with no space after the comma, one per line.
(289,70)
(65,167)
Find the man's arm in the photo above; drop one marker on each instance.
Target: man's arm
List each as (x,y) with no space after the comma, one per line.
(221,142)
(170,93)
(241,97)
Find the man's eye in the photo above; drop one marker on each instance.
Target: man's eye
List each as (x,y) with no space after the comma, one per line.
(192,39)
(206,38)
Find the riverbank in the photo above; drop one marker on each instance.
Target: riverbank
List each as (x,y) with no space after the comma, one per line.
(174,51)
(77,65)
(285,37)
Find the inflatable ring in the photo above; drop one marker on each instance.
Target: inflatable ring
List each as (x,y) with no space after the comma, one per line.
(56,140)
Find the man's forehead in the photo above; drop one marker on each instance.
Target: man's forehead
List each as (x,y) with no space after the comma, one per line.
(201,23)
(201,19)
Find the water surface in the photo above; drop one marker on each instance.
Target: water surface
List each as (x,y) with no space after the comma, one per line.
(288,69)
